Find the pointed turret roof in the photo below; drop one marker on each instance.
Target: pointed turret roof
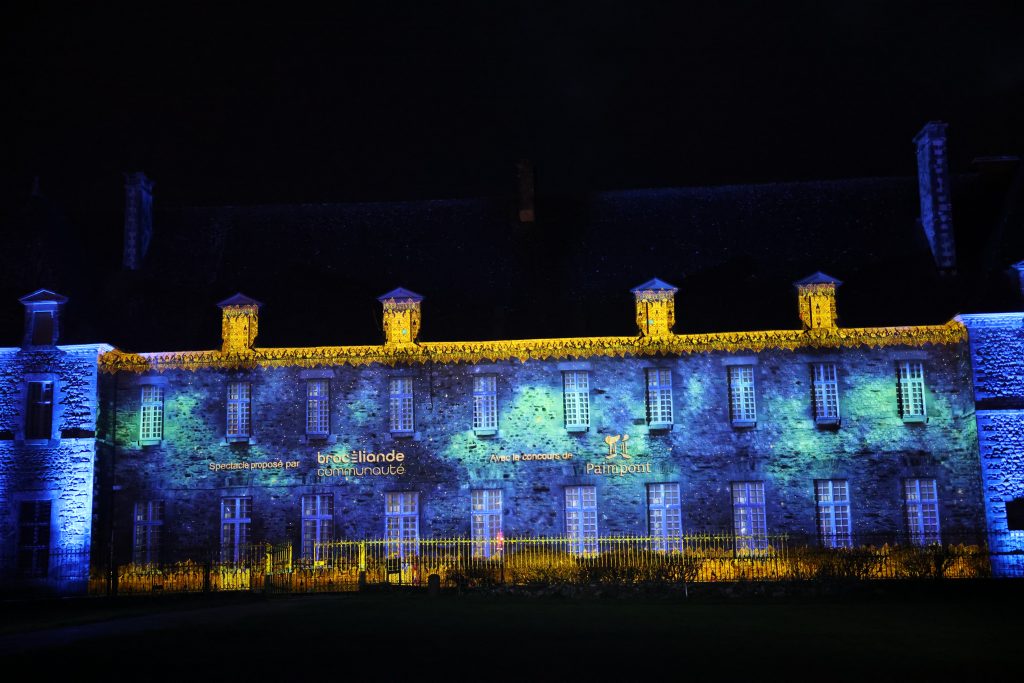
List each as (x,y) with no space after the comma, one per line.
(400,293)
(654,285)
(239,299)
(819,278)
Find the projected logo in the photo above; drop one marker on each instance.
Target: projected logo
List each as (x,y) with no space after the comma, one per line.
(618,447)
(360,463)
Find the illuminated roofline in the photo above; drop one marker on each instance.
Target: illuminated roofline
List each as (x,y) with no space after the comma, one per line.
(1008,315)
(100,348)
(953,332)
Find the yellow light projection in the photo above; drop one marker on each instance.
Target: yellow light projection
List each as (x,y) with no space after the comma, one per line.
(952,332)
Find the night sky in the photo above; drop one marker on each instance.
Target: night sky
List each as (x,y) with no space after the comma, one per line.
(228,107)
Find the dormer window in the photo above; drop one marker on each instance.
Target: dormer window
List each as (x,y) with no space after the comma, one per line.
(42,308)
(42,328)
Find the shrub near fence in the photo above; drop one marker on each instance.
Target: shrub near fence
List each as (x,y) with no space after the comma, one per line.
(613,561)
(643,560)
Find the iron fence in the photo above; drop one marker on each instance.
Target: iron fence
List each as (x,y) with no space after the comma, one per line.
(346,565)
(529,560)
(58,570)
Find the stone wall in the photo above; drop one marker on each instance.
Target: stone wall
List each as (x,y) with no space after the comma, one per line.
(60,469)
(444,460)
(997,351)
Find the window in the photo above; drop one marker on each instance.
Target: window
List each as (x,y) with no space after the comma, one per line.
(317,524)
(318,407)
(659,397)
(39,416)
(741,395)
(236,521)
(1015,514)
(486,523)
(239,410)
(664,516)
(581,518)
(922,502)
(34,538)
(911,390)
(576,397)
(401,405)
(748,519)
(149,524)
(833,502)
(42,328)
(485,404)
(151,428)
(402,523)
(826,393)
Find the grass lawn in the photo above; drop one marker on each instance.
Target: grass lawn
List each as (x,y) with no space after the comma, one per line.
(394,636)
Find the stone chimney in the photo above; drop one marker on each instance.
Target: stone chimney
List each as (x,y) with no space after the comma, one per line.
(138,219)
(655,308)
(933,187)
(526,190)
(42,317)
(816,298)
(240,317)
(401,316)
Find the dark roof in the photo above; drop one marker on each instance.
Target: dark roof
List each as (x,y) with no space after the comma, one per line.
(734,250)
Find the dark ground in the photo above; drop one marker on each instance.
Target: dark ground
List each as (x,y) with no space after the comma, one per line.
(951,630)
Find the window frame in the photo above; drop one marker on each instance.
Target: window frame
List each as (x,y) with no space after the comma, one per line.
(402,407)
(402,523)
(486,522)
(485,404)
(235,530)
(33,554)
(826,511)
(242,412)
(660,409)
(151,411)
(40,409)
(825,393)
(147,531)
(318,408)
(581,532)
(742,395)
(576,400)
(911,391)
(749,518)
(665,516)
(918,509)
(317,525)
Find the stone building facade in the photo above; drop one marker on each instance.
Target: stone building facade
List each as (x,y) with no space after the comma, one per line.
(48,417)
(997,350)
(837,434)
